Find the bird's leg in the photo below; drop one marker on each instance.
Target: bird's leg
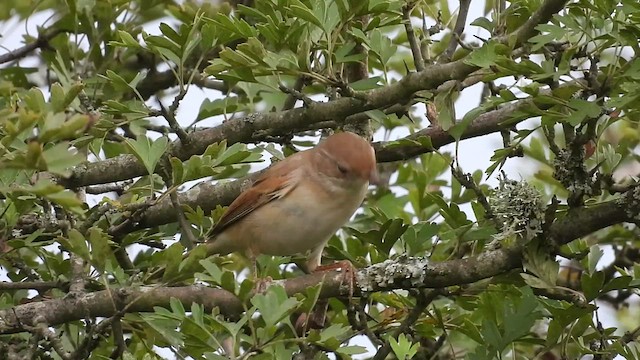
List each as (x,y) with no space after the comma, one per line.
(317,317)
(254,263)
(261,284)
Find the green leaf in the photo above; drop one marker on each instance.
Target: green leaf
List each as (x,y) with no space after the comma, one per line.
(334,331)
(59,159)
(147,151)
(371,83)
(595,254)
(351,350)
(535,282)
(100,248)
(460,127)
(274,305)
(487,55)
(53,192)
(444,102)
(484,23)
(77,244)
(172,257)
(592,284)
(210,108)
(299,10)
(343,53)
(128,40)
(538,261)
(403,348)
(451,213)
(618,283)
(582,109)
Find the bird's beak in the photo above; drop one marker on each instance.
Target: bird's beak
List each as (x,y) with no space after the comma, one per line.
(374,179)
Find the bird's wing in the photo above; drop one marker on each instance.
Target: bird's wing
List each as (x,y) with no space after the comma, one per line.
(275,183)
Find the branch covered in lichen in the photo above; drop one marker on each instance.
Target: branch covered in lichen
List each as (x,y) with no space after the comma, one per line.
(401,273)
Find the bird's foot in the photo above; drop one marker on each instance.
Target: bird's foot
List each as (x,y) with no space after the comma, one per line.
(348,270)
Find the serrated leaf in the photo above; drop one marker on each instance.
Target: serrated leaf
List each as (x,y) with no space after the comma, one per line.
(147,151)
(485,56)
(100,249)
(172,257)
(77,244)
(59,159)
(595,254)
(351,350)
(274,305)
(592,284)
(403,348)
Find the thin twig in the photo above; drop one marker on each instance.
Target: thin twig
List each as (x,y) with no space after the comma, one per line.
(291,100)
(41,42)
(42,330)
(421,304)
(169,115)
(118,338)
(105,188)
(296,94)
(411,37)
(34,285)
(93,337)
(550,134)
(122,229)
(187,239)
(467,181)
(93,218)
(457,30)
(164,130)
(364,327)
(76,285)
(436,28)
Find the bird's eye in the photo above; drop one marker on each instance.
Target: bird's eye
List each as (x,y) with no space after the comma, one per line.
(343,170)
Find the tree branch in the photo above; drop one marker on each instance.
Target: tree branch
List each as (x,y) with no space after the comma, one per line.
(127,166)
(457,30)
(283,122)
(402,273)
(42,41)
(487,123)
(208,196)
(411,36)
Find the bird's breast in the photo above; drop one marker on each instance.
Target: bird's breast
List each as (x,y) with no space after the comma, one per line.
(304,219)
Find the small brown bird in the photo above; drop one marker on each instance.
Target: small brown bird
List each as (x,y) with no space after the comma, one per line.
(297,204)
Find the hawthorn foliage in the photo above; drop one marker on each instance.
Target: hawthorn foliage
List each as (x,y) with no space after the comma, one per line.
(126,126)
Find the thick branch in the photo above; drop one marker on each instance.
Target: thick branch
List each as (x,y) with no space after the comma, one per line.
(208,196)
(402,273)
(280,123)
(487,123)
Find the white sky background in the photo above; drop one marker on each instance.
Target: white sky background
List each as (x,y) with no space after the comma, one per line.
(473,153)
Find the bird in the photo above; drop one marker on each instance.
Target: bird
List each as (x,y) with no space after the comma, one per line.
(297,204)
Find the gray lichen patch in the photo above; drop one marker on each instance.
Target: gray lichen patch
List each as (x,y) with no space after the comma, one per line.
(404,269)
(631,204)
(518,206)
(570,170)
